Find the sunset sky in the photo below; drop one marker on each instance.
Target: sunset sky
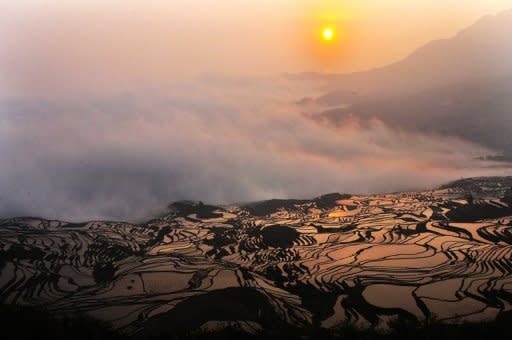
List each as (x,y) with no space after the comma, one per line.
(113,109)
(56,46)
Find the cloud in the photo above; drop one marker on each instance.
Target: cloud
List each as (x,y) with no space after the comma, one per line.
(127,156)
(476,110)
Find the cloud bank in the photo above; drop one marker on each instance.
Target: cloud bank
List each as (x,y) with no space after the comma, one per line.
(127,156)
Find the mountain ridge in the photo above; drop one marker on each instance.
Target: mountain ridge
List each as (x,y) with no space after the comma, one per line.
(438,62)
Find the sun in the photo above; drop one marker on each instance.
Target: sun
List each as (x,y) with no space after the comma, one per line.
(327,34)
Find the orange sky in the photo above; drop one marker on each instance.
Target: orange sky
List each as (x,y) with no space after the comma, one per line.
(125,126)
(91,45)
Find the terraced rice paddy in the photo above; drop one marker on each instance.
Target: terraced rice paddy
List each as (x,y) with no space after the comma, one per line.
(300,263)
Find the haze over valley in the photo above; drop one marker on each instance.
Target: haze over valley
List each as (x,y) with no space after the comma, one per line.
(440,114)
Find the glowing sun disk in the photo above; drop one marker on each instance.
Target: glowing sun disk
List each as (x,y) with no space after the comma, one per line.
(328,34)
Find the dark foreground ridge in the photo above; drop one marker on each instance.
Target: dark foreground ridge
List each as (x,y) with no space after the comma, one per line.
(43,325)
(413,264)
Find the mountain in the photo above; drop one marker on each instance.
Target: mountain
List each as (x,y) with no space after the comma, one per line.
(459,87)
(481,50)
(275,265)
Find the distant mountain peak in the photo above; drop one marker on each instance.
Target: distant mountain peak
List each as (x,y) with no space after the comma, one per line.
(483,49)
